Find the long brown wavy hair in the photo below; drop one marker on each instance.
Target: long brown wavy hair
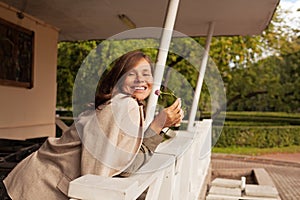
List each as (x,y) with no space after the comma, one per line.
(108,83)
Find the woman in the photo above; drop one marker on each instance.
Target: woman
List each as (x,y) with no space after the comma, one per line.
(110,140)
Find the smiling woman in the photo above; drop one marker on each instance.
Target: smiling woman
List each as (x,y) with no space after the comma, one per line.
(133,68)
(138,81)
(110,140)
(132,74)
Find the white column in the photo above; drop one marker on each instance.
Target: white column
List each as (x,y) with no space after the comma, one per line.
(162,57)
(200,77)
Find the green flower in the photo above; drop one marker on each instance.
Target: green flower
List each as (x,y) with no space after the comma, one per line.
(165,99)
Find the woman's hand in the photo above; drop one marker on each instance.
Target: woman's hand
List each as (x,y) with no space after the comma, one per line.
(168,117)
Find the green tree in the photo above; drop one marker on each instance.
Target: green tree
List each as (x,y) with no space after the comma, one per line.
(252,70)
(70,58)
(272,83)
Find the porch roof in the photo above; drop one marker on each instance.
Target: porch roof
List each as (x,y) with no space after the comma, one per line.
(99,19)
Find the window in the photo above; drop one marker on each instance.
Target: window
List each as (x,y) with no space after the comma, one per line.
(16,55)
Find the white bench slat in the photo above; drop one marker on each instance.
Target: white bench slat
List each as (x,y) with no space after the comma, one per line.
(93,187)
(157,162)
(175,146)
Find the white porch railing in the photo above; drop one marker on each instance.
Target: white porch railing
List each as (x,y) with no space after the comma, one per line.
(177,170)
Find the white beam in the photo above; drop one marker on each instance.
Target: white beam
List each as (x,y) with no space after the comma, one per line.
(200,77)
(162,57)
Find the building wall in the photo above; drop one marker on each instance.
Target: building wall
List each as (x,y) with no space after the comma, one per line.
(28,113)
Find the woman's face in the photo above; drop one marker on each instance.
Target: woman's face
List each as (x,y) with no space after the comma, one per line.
(139,80)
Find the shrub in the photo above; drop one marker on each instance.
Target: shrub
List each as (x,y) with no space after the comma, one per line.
(259,129)
(261,137)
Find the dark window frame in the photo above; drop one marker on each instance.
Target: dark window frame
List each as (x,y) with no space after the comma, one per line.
(16,55)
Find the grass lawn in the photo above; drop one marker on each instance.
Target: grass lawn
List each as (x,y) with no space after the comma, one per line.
(255,151)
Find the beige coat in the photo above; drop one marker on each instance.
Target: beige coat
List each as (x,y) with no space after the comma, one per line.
(46,173)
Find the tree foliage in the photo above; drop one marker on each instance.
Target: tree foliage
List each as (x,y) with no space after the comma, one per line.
(70,58)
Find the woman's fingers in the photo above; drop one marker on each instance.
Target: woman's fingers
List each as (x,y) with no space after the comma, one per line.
(174,112)
(169,116)
(176,105)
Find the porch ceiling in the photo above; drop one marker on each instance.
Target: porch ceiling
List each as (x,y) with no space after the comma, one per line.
(98,19)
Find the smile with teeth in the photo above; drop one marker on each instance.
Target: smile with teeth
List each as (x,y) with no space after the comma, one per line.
(139,88)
